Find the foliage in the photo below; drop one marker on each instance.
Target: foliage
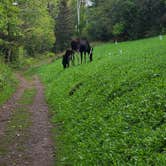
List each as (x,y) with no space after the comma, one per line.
(64,26)
(37,27)
(116,113)
(139,18)
(118,29)
(42,26)
(9,30)
(29,25)
(7,82)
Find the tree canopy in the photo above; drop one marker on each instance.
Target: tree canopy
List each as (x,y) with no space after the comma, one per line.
(128,19)
(26,24)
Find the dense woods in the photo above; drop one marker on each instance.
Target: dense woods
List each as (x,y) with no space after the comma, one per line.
(25,26)
(34,27)
(127,19)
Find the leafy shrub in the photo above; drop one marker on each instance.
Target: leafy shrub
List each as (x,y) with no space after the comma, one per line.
(118,29)
(7,82)
(49,54)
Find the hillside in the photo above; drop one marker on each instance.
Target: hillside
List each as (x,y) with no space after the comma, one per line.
(111,111)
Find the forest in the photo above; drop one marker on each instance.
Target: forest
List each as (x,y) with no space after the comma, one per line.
(34,27)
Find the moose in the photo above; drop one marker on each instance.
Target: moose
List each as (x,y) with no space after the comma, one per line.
(67,57)
(83,47)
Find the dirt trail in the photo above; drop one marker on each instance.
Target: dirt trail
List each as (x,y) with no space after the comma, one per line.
(38,146)
(12,104)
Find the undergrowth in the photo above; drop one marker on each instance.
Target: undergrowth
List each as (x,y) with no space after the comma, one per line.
(7,82)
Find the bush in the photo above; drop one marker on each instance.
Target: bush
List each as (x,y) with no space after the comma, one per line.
(7,82)
(118,29)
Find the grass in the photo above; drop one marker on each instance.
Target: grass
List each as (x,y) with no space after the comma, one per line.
(27,97)
(111,111)
(16,130)
(7,83)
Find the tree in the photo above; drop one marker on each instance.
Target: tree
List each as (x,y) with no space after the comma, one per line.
(127,19)
(64,28)
(26,24)
(9,30)
(37,26)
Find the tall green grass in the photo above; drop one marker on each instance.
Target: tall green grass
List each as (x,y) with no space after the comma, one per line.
(7,82)
(111,111)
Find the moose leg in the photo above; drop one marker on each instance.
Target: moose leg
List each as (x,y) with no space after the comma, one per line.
(81,53)
(91,57)
(73,59)
(68,61)
(85,57)
(78,58)
(68,65)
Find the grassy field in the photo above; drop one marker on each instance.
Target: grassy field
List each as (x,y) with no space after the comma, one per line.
(111,111)
(7,82)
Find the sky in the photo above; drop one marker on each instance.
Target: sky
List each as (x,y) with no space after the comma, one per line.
(88,2)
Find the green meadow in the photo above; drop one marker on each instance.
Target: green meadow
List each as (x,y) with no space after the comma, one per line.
(111,111)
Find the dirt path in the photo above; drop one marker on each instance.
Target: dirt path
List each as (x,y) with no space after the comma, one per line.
(30,144)
(6,109)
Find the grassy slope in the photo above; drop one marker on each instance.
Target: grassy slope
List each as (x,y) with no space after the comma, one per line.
(112,111)
(7,82)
